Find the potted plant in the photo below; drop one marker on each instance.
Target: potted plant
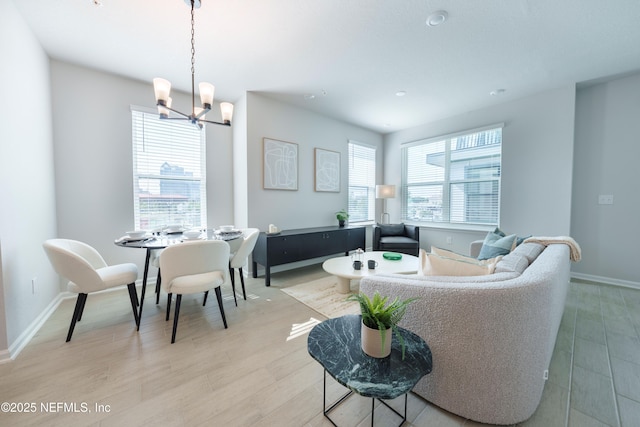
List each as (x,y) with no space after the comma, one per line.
(378,317)
(342,216)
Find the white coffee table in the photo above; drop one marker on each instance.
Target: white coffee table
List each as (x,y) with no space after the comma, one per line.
(342,267)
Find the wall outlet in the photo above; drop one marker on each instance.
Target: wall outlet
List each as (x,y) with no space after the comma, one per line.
(33,285)
(605,199)
(449,240)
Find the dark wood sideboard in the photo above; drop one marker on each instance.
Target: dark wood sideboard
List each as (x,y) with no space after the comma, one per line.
(303,244)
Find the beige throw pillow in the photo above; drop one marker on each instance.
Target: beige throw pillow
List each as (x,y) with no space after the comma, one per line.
(454,255)
(432,264)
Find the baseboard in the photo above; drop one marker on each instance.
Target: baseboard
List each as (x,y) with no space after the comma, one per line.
(25,337)
(606,280)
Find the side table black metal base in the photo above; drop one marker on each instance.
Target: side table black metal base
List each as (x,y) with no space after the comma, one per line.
(335,404)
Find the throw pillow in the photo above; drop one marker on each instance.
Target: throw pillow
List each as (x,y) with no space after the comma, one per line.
(391,229)
(494,244)
(529,250)
(454,255)
(434,265)
(512,263)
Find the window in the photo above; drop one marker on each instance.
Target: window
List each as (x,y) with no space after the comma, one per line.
(453,179)
(362,182)
(169,178)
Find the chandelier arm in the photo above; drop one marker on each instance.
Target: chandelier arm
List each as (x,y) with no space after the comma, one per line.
(226,123)
(202,113)
(176,111)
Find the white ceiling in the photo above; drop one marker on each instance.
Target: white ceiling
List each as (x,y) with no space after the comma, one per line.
(358,52)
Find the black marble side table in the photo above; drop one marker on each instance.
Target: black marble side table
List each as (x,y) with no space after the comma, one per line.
(335,344)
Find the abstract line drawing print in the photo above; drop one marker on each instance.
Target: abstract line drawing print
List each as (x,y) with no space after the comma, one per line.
(280,165)
(327,170)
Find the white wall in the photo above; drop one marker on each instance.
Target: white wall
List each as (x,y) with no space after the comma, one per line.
(537,159)
(27,216)
(607,150)
(304,207)
(93,158)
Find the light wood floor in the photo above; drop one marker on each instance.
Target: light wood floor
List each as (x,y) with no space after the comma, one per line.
(258,372)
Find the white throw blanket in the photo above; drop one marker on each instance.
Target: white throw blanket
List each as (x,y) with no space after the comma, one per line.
(575,252)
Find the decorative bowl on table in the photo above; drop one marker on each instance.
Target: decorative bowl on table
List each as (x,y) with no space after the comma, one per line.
(137,234)
(226,228)
(191,234)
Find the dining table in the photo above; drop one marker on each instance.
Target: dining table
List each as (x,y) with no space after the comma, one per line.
(163,239)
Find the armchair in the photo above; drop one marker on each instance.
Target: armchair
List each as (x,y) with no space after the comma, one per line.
(397,238)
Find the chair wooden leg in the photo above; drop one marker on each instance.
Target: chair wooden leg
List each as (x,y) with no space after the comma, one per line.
(168,306)
(219,296)
(176,313)
(244,292)
(206,295)
(232,274)
(133,296)
(84,300)
(76,313)
(158,281)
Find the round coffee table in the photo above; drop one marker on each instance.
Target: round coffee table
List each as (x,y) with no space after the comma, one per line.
(342,267)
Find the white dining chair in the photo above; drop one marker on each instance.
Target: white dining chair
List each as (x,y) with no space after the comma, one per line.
(194,267)
(239,259)
(88,272)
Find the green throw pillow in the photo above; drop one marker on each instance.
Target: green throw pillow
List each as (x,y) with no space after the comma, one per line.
(495,244)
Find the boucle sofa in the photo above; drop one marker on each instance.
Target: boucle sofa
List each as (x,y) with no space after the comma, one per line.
(491,336)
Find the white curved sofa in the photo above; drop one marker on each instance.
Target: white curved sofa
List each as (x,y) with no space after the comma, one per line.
(491,336)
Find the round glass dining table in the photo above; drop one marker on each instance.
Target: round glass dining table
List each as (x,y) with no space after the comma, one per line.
(163,240)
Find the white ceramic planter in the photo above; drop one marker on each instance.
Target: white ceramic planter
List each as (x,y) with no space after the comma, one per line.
(371,341)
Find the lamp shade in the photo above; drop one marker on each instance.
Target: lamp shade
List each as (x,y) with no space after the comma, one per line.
(161,88)
(226,109)
(206,94)
(385,191)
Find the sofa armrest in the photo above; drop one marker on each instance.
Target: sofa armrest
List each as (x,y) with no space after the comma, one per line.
(474,248)
(376,238)
(412,231)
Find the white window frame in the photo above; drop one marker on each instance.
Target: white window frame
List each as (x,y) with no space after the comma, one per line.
(444,217)
(362,180)
(166,137)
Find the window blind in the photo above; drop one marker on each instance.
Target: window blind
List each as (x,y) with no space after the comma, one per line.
(454,180)
(169,173)
(362,182)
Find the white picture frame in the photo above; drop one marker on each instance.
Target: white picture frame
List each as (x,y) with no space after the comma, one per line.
(327,170)
(280,165)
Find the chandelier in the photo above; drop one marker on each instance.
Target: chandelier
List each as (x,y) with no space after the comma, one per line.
(162,88)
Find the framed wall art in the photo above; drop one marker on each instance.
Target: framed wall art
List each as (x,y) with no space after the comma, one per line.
(327,170)
(280,165)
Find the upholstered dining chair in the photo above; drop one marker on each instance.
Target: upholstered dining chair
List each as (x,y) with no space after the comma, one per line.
(239,259)
(193,267)
(88,272)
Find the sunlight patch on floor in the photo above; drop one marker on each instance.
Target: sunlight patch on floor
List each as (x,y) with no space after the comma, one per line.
(299,329)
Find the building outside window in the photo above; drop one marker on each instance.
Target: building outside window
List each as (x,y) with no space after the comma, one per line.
(169,172)
(453,179)
(362,182)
